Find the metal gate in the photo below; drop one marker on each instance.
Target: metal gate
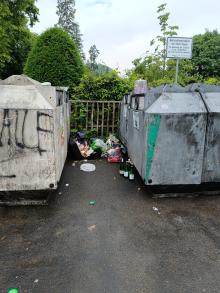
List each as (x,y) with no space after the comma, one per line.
(97,117)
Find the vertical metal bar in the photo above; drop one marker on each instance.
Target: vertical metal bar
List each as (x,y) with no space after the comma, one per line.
(97,120)
(76,116)
(87,114)
(118,115)
(108,119)
(81,119)
(113,119)
(92,115)
(177,70)
(102,118)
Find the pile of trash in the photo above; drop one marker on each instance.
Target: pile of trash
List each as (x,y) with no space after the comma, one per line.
(81,148)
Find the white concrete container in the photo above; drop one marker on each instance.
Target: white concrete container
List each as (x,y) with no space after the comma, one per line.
(34,133)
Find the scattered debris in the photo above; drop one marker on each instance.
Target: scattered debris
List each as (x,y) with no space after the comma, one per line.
(114,154)
(13,291)
(92,202)
(99,145)
(91,228)
(73,164)
(67,185)
(156,210)
(60,193)
(36,281)
(88,167)
(112,140)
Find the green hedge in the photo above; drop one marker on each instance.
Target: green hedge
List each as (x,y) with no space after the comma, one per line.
(55,58)
(109,86)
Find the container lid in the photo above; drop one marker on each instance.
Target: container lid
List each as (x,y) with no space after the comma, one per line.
(20,80)
(212,101)
(22,97)
(184,103)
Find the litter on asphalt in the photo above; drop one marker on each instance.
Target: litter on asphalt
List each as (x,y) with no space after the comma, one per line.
(88,167)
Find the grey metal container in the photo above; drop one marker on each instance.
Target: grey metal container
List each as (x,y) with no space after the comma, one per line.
(34,133)
(166,139)
(211,162)
(136,129)
(175,127)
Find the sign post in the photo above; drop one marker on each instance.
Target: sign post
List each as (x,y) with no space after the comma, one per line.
(177,70)
(179,48)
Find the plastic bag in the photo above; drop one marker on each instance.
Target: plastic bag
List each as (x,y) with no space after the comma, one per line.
(99,144)
(114,155)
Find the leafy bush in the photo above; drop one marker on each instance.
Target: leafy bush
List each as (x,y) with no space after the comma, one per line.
(55,58)
(109,86)
(206,54)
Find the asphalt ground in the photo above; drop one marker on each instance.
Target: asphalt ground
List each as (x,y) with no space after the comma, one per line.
(127,242)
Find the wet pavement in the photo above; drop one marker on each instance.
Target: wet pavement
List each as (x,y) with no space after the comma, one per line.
(127,242)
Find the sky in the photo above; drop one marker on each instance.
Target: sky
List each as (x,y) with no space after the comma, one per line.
(123,29)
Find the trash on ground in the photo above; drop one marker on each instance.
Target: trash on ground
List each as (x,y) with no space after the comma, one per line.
(81,148)
(36,281)
(114,154)
(60,193)
(73,164)
(127,169)
(88,167)
(91,228)
(99,145)
(92,202)
(13,291)
(67,185)
(112,140)
(156,210)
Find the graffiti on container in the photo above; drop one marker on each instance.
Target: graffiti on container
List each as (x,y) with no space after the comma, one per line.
(12,129)
(8,176)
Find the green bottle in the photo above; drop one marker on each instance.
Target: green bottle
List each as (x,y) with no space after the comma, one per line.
(126,170)
(121,170)
(131,172)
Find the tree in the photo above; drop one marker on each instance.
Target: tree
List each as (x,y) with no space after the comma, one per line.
(206,54)
(154,67)
(55,58)
(66,13)
(93,55)
(166,31)
(16,38)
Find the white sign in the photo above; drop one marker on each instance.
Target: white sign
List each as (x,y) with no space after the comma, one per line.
(179,48)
